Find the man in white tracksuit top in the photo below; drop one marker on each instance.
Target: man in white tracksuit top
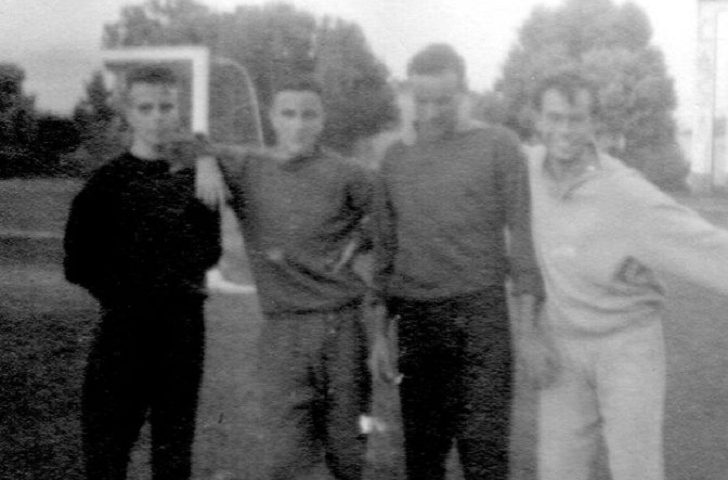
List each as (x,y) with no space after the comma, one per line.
(603,235)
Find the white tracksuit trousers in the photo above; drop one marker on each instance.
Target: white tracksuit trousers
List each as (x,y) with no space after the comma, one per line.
(613,384)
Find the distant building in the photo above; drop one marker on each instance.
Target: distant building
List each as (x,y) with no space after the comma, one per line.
(709,136)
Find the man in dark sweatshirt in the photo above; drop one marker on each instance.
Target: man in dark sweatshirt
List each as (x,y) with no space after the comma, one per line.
(140,242)
(302,210)
(442,263)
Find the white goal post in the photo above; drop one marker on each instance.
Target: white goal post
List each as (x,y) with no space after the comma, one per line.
(219,98)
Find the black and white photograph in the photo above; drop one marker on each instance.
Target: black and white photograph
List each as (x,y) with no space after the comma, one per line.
(364,240)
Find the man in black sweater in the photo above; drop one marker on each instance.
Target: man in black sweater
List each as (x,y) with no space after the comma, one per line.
(140,242)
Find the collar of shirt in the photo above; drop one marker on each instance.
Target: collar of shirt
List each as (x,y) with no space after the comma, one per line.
(298,161)
(565,187)
(150,166)
(463,127)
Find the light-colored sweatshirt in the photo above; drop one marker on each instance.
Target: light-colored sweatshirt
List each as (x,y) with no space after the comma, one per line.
(603,239)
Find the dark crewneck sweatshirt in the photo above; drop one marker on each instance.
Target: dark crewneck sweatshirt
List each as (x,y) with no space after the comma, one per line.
(136,229)
(297,219)
(441,217)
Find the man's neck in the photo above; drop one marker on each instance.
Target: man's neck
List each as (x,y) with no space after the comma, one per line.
(284,156)
(144,151)
(565,171)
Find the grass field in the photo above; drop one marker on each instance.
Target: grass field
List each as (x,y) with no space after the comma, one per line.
(46,326)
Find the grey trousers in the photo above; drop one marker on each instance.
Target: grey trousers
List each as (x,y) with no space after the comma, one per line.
(315,387)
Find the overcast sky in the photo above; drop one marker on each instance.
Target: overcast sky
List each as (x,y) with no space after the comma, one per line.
(57,42)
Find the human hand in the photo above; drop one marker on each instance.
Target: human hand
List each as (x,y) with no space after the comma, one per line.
(538,358)
(535,349)
(183,148)
(209,183)
(383,354)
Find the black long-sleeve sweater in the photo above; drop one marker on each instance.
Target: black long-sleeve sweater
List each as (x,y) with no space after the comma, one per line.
(136,229)
(298,219)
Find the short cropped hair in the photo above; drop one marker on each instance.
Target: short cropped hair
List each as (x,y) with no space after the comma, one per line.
(297,83)
(154,74)
(150,74)
(437,59)
(569,84)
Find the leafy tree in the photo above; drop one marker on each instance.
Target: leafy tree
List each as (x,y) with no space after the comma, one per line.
(271,41)
(611,44)
(18,125)
(17,118)
(491,107)
(160,22)
(57,136)
(30,143)
(96,121)
(358,98)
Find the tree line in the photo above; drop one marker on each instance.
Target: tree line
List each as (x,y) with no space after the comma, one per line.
(611,43)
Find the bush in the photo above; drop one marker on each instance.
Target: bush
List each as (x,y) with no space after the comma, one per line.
(665,166)
(82,162)
(17,161)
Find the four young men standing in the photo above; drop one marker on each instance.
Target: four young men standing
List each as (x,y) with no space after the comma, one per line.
(451,214)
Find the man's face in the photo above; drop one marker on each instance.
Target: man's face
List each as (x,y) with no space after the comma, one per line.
(566,128)
(298,120)
(153,114)
(437,101)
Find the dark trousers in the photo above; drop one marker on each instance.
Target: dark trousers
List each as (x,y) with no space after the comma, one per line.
(315,387)
(147,358)
(455,355)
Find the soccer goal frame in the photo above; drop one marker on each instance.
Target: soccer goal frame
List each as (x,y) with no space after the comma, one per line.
(197,67)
